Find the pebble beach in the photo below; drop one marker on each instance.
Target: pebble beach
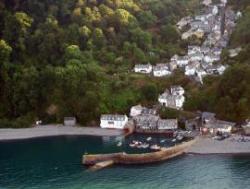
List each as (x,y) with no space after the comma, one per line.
(55,130)
(205,145)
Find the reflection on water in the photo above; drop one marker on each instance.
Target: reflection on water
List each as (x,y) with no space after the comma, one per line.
(53,163)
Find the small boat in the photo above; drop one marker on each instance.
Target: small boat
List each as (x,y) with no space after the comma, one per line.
(132,145)
(162,141)
(119,144)
(155,147)
(136,142)
(174,140)
(179,137)
(144,145)
(149,138)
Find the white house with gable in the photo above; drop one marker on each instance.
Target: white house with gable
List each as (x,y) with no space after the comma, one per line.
(177,90)
(193,49)
(172,101)
(136,110)
(113,121)
(161,70)
(182,61)
(191,68)
(143,68)
(198,56)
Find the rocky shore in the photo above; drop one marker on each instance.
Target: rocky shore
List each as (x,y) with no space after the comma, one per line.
(55,130)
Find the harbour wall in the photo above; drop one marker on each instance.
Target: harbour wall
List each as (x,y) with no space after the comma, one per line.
(124,158)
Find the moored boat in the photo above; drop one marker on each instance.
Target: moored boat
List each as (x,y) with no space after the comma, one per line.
(155,147)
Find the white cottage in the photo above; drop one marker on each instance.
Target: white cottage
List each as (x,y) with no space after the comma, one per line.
(143,68)
(182,61)
(207,2)
(210,58)
(216,69)
(198,56)
(172,101)
(190,69)
(161,70)
(193,49)
(167,124)
(177,90)
(136,110)
(173,65)
(113,121)
(69,121)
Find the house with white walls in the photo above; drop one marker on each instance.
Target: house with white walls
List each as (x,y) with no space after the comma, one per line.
(170,100)
(191,68)
(161,70)
(182,61)
(143,68)
(177,90)
(115,121)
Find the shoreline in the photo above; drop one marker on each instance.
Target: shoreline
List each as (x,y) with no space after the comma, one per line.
(209,146)
(202,146)
(55,130)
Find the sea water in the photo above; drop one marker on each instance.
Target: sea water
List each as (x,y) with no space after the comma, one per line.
(55,163)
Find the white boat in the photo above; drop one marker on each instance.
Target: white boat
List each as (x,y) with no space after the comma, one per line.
(149,138)
(119,144)
(132,145)
(144,145)
(174,140)
(179,137)
(162,141)
(155,147)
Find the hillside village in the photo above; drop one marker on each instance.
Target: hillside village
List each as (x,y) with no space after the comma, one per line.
(214,25)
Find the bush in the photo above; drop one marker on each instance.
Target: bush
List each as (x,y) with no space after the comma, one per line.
(20,122)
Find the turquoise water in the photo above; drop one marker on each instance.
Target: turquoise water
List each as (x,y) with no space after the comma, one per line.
(53,163)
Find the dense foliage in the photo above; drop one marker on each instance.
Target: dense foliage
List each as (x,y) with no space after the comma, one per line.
(74,57)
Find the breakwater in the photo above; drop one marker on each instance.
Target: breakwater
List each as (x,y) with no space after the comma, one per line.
(124,158)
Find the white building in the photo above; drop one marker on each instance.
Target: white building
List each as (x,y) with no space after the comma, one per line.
(143,68)
(224,2)
(113,121)
(210,58)
(207,2)
(177,90)
(193,49)
(191,68)
(136,110)
(216,69)
(161,70)
(196,56)
(69,121)
(234,52)
(174,58)
(200,72)
(173,65)
(183,22)
(171,101)
(201,18)
(167,124)
(215,10)
(182,61)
